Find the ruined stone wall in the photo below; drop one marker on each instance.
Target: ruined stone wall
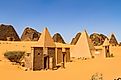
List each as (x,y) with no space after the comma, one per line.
(28,60)
(59,55)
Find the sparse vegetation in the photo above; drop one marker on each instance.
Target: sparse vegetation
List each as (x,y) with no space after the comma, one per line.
(14,56)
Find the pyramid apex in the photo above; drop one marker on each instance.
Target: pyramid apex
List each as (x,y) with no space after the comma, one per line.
(45,29)
(106,42)
(111,35)
(46,39)
(83,45)
(85,30)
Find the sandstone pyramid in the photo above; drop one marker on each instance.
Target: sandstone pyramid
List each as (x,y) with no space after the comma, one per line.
(97,39)
(58,38)
(106,42)
(45,39)
(30,34)
(8,33)
(84,47)
(74,40)
(112,40)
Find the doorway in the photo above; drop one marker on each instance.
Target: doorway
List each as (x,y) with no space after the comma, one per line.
(64,60)
(107,52)
(45,62)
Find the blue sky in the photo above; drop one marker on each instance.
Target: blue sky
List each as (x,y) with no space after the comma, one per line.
(64,16)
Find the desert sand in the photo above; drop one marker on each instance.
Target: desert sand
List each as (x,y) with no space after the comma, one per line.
(76,70)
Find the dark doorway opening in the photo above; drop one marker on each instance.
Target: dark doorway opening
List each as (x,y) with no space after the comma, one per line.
(107,51)
(64,60)
(63,57)
(45,62)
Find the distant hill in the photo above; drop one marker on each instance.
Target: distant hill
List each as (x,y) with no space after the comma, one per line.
(97,39)
(75,39)
(30,34)
(8,33)
(58,38)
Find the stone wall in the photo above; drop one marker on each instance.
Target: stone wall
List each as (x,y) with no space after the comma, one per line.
(59,55)
(38,58)
(51,53)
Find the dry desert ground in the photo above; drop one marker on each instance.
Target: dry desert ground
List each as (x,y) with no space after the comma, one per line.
(76,70)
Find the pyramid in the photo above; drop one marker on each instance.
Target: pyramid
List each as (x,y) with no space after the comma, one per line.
(112,40)
(75,39)
(106,42)
(83,47)
(45,39)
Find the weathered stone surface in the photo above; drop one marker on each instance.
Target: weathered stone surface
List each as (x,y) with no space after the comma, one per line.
(113,40)
(74,40)
(97,39)
(8,33)
(30,34)
(58,38)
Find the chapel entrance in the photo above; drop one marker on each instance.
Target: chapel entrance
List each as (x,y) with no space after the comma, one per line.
(107,52)
(63,60)
(46,62)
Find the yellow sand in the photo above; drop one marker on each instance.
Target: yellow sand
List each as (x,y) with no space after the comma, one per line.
(76,70)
